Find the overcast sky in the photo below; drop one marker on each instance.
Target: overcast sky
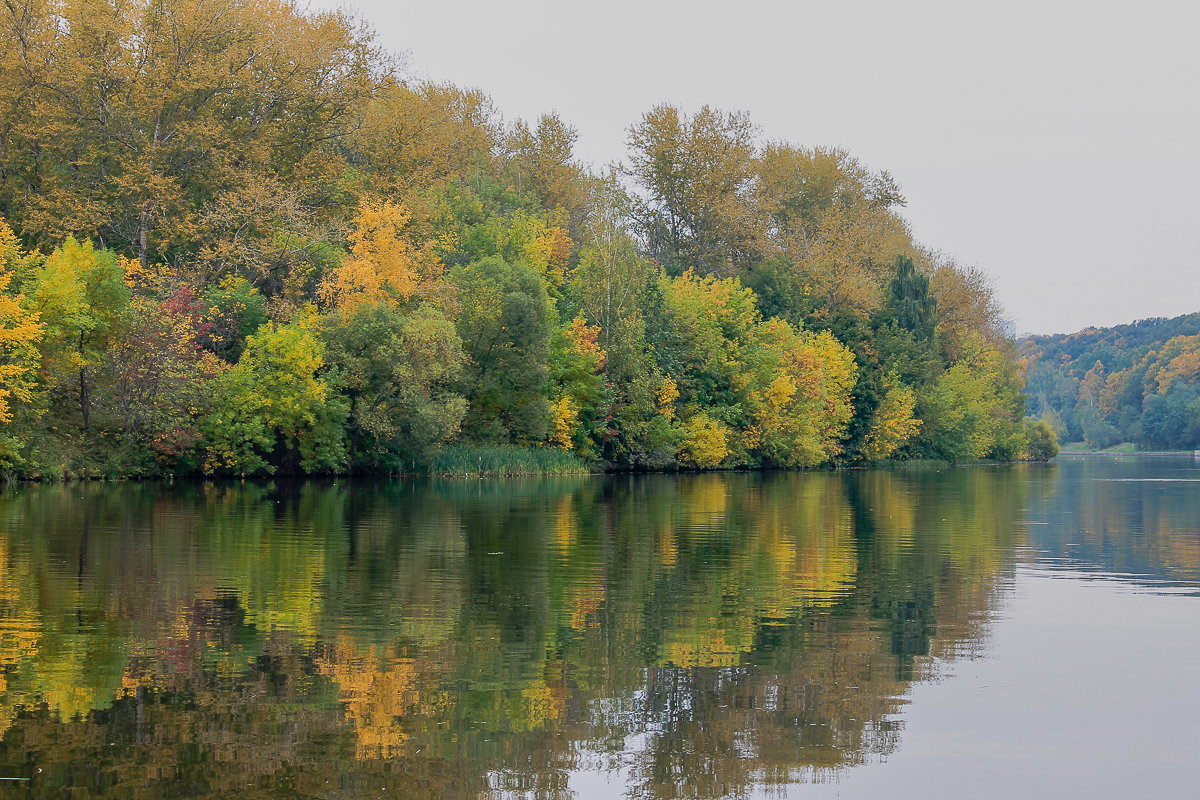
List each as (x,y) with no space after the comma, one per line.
(1054,143)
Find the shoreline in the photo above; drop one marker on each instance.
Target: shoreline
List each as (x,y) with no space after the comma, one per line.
(1175,453)
(597,471)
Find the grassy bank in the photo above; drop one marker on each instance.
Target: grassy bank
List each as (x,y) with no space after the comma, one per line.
(459,461)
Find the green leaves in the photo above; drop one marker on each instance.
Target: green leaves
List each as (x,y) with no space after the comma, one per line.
(399,370)
(753,391)
(909,300)
(274,407)
(505,324)
(81,292)
(973,410)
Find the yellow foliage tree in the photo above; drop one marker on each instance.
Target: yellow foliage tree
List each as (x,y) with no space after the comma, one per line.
(20,333)
(541,244)
(384,263)
(705,442)
(801,401)
(566,420)
(666,396)
(1184,366)
(577,362)
(894,423)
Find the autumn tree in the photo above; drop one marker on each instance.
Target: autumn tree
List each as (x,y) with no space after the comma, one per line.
(752,391)
(160,377)
(800,401)
(137,120)
(893,424)
(253,243)
(696,172)
(21,331)
(385,264)
(831,235)
(416,138)
(81,294)
(542,161)
(576,365)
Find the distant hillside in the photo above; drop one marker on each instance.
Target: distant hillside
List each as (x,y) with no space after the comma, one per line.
(1130,383)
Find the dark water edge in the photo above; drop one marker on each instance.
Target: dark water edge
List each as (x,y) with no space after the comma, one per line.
(501,461)
(712,635)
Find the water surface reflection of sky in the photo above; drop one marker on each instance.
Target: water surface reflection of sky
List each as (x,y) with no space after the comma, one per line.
(1088,690)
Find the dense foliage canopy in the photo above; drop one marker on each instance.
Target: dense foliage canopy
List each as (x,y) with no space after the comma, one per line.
(1136,383)
(241,242)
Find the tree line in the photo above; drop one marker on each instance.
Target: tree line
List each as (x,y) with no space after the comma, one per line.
(238,240)
(1103,387)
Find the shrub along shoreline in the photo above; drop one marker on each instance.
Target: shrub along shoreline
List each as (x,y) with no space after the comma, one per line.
(518,462)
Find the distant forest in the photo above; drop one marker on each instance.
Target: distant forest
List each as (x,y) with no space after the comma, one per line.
(238,240)
(1135,383)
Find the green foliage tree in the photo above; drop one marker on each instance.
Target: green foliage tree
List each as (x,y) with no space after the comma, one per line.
(398,369)
(1043,442)
(275,408)
(973,410)
(505,323)
(618,290)
(910,302)
(234,309)
(1171,419)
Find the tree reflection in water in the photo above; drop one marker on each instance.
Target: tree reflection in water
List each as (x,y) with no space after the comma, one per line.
(699,635)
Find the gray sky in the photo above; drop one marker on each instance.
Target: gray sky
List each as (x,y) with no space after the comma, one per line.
(1054,143)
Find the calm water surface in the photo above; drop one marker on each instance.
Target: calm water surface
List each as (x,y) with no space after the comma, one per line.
(917,633)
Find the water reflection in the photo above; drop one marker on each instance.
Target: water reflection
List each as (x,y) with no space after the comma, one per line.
(696,636)
(1132,518)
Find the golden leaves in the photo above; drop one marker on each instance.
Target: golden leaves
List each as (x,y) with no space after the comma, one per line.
(20,333)
(378,692)
(667,394)
(384,263)
(705,442)
(894,423)
(566,421)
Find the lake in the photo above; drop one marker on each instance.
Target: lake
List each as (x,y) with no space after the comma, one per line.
(971,632)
